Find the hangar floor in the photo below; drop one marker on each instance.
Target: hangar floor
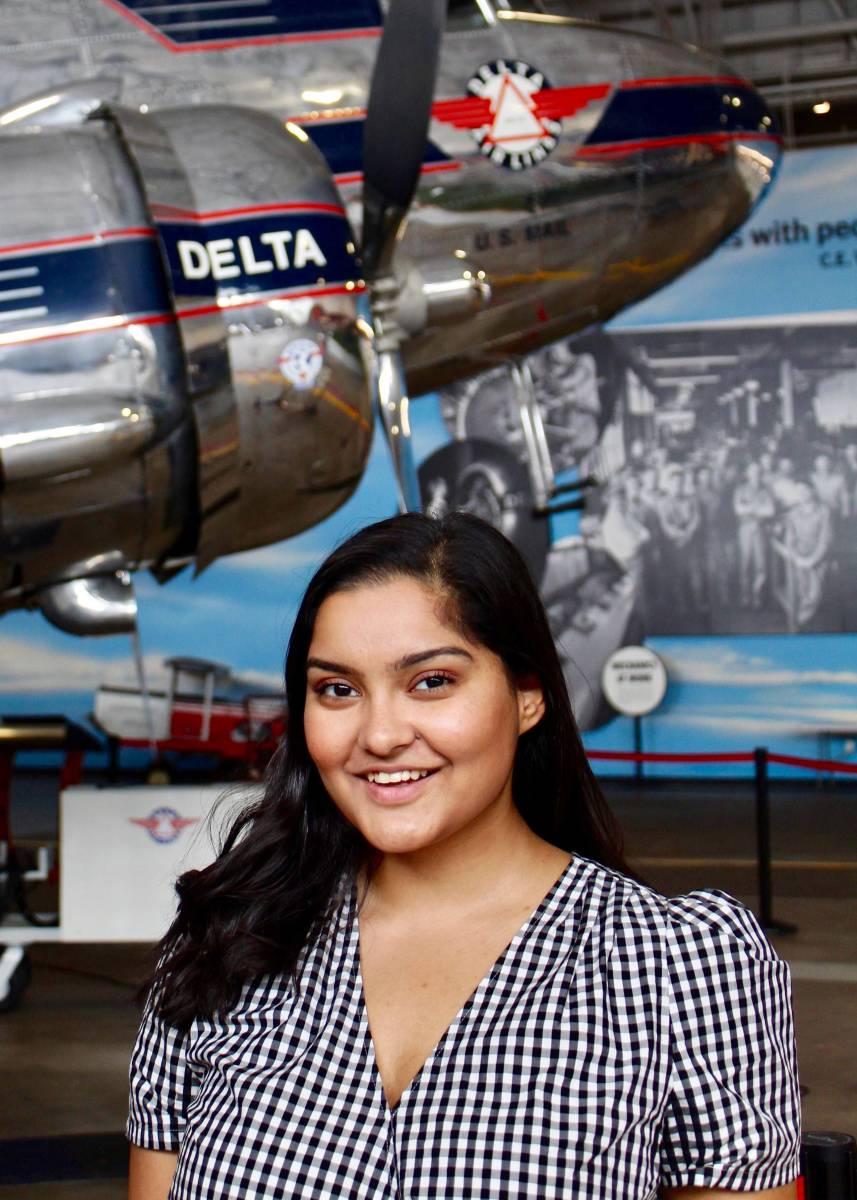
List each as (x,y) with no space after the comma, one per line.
(63,1054)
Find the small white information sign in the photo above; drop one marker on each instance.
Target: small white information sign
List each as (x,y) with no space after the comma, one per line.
(634,680)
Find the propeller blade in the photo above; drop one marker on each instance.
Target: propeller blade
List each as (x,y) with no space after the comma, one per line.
(397,121)
(394,144)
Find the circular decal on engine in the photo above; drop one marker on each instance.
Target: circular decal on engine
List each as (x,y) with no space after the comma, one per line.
(519,132)
(301,362)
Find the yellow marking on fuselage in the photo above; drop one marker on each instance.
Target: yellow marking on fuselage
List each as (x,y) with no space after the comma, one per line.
(540,277)
(349,411)
(640,266)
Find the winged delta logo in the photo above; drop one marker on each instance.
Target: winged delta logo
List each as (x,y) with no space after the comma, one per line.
(163,824)
(515,115)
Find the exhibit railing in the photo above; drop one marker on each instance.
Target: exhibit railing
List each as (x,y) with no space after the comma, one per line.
(760,760)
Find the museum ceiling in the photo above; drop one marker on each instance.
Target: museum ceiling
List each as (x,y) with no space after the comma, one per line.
(802,54)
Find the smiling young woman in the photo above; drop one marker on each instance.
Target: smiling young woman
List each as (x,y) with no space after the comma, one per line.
(420,967)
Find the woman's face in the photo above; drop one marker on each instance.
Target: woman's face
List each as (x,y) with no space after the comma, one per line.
(413,728)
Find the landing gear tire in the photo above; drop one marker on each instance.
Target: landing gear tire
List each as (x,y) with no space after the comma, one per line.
(15,974)
(481,477)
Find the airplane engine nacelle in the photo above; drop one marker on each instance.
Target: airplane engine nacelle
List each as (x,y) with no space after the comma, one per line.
(181,372)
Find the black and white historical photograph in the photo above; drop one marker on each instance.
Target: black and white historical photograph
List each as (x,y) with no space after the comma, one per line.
(719,468)
(736,507)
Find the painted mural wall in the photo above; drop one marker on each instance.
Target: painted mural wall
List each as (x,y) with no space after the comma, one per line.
(742,392)
(717,424)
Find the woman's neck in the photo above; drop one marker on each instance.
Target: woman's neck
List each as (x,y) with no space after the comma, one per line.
(485,863)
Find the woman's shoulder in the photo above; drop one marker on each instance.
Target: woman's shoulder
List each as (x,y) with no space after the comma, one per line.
(700,918)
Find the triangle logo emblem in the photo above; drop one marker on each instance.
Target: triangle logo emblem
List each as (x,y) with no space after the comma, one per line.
(516,136)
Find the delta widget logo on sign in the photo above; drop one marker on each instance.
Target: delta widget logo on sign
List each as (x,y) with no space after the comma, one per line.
(164,824)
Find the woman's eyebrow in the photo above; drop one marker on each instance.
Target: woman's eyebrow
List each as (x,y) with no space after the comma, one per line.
(409,660)
(322,664)
(413,660)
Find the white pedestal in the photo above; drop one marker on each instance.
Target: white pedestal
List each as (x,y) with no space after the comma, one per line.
(121,850)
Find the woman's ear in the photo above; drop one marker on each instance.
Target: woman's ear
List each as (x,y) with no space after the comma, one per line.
(531,704)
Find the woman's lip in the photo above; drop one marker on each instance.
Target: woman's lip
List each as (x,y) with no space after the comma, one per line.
(395,771)
(396,793)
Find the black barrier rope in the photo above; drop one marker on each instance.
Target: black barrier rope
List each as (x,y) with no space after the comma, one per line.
(761,758)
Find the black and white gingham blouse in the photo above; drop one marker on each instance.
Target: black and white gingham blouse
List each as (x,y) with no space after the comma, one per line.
(621,1042)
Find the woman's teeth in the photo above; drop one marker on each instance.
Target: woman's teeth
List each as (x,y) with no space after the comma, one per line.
(395,776)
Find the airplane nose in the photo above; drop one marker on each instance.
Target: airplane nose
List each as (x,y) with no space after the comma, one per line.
(587,167)
(700,109)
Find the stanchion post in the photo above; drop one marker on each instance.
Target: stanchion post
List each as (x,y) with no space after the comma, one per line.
(828,1162)
(763,846)
(638,748)
(113,745)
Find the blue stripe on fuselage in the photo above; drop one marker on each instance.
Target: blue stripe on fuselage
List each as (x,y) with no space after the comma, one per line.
(215,22)
(635,114)
(82,282)
(341,143)
(257,253)
(680,110)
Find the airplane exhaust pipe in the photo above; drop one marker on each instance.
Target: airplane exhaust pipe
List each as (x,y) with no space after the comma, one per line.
(92,605)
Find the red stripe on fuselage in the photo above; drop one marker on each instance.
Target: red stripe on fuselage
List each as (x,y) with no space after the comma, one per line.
(274,39)
(91,326)
(610,149)
(331,35)
(453,164)
(685,81)
(83,239)
(169,212)
(110,324)
(250,299)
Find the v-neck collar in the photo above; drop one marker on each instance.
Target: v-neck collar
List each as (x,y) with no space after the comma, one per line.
(545,906)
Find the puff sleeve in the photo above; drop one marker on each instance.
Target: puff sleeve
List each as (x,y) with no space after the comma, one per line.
(162,1085)
(733,1113)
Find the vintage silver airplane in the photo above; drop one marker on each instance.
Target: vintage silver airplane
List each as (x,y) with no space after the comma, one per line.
(191,333)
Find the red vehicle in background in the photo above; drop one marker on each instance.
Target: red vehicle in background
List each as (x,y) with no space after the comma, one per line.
(195,706)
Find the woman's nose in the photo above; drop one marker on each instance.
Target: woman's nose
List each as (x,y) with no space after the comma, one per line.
(384,728)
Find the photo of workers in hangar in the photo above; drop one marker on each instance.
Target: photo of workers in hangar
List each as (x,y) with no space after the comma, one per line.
(721,460)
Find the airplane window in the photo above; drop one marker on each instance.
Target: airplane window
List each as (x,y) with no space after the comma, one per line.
(471,14)
(559,8)
(464,14)
(189,684)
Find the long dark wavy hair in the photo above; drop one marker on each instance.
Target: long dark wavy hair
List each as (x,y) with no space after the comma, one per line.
(281,868)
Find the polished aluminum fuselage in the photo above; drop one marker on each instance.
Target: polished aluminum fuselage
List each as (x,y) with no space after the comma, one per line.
(184,342)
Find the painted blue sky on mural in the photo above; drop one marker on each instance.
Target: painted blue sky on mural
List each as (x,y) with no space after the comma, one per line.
(796,254)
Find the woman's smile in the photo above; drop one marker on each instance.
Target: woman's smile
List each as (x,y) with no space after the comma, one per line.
(397,786)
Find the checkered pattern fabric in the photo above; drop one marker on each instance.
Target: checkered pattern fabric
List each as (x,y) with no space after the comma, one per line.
(620,1043)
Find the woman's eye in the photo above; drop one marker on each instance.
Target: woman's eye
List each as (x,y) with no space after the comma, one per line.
(339,691)
(431,683)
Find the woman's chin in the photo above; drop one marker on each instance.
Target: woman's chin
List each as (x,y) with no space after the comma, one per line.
(390,838)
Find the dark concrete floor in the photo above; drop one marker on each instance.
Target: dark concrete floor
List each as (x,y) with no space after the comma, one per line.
(64,1053)
(87,1189)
